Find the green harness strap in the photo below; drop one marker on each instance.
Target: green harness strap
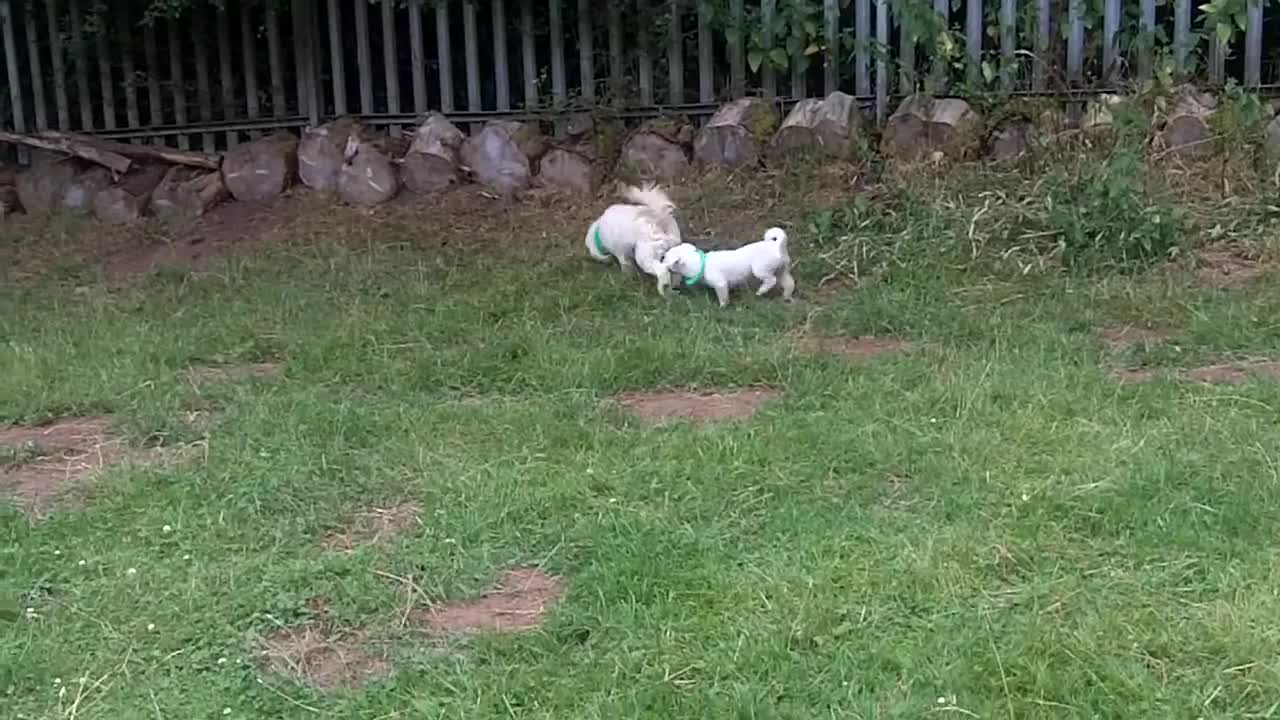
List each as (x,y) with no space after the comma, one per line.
(702,268)
(599,243)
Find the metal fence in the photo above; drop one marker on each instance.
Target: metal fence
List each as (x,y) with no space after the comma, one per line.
(223,72)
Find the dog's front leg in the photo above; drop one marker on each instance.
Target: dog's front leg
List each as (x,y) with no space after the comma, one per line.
(664,281)
(788,285)
(625,263)
(766,284)
(722,293)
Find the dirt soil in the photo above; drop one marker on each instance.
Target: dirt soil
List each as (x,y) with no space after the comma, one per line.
(323,658)
(39,464)
(205,374)
(1224,267)
(1120,337)
(519,602)
(854,348)
(1223,374)
(373,526)
(697,408)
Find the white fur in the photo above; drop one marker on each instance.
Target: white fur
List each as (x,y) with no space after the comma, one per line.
(766,260)
(638,232)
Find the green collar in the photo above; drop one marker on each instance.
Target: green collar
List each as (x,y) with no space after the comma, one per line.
(702,268)
(600,243)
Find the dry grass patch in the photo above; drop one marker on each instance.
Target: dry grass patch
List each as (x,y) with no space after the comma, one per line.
(373,526)
(1221,374)
(1119,337)
(324,658)
(864,347)
(39,464)
(206,374)
(1226,267)
(696,408)
(519,602)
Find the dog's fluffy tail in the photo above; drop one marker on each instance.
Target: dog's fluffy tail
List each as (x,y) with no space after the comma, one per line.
(591,243)
(650,196)
(778,235)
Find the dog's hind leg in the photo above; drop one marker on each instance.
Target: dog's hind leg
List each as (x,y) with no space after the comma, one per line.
(788,285)
(722,294)
(664,281)
(766,285)
(625,263)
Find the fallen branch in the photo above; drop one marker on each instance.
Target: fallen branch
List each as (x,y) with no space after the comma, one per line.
(70,145)
(140,152)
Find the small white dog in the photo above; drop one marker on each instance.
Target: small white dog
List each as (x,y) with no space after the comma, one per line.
(637,233)
(766,260)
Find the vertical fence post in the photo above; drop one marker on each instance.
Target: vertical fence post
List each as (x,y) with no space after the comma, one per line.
(471,48)
(444,55)
(177,81)
(973,37)
(1008,42)
(11,67)
(644,56)
(1252,44)
(417,57)
(586,51)
(1146,56)
(279,103)
(1110,40)
(337,58)
(831,66)
(501,73)
(737,52)
(226,75)
(58,65)
(559,86)
(125,33)
(1044,29)
(364,57)
(151,54)
(1181,34)
(706,70)
(907,42)
(249,62)
(81,56)
(862,47)
(1075,42)
(528,54)
(939,70)
(105,78)
(768,76)
(390,60)
(882,61)
(40,110)
(675,55)
(204,95)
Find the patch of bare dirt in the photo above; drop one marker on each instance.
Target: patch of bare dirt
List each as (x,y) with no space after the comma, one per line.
(1222,374)
(1123,337)
(324,658)
(205,374)
(519,602)
(1224,267)
(696,408)
(865,347)
(39,464)
(373,526)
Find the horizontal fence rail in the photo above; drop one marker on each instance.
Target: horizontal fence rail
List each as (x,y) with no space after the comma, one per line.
(218,73)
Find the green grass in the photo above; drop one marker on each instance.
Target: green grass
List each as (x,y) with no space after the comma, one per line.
(987,526)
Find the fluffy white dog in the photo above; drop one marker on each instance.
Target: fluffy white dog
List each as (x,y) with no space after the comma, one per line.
(766,260)
(637,233)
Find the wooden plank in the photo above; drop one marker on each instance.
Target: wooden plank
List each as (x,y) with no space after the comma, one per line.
(106,80)
(1252,44)
(417,57)
(831,58)
(39,108)
(1044,39)
(80,146)
(528,55)
(1075,41)
(364,58)
(204,93)
(906,59)
(501,70)
(1182,35)
(768,76)
(444,54)
(1008,43)
(7,21)
(939,71)
(559,89)
(151,55)
(862,47)
(337,58)
(1147,26)
(737,49)
(177,82)
(973,36)
(248,41)
(300,53)
(58,65)
(882,61)
(586,51)
(390,68)
(1110,40)
(644,56)
(124,30)
(226,75)
(81,56)
(471,51)
(706,68)
(279,103)
(1217,60)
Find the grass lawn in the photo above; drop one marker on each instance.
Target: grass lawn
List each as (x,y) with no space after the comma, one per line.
(985,524)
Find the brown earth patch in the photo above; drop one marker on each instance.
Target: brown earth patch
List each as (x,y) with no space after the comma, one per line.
(323,658)
(205,374)
(39,464)
(1123,337)
(372,526)
(694,407)
(1222,374)
(854,348)
(518,603)
(1224,267)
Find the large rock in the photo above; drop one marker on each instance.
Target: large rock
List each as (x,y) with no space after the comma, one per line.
(923,125)
(79,192)
(126,201)
(1271,139)
(495,161)
(737,133)
(431,165)
(1012,139)
(568,169)
(9,202)
(830,126)
(527,136)
(367,177)
(262,169)
(1187,130)
(40,186)
(321,153)
(187,193)
(658,150)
